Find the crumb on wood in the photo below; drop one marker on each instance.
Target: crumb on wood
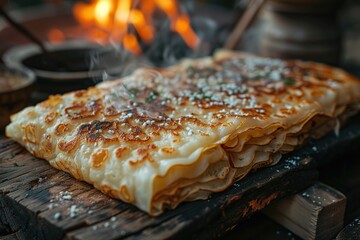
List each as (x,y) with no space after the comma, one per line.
(57,216)
(18,164)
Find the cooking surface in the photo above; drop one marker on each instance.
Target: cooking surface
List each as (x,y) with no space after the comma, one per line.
(42,202)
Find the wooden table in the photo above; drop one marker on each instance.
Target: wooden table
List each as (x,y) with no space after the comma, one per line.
(38,202)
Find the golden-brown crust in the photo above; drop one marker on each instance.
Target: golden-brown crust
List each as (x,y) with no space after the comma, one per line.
(161,136)
(99,158)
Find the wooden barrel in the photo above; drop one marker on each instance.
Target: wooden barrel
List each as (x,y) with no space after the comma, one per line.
(301,29)
(289,36)
(306,6)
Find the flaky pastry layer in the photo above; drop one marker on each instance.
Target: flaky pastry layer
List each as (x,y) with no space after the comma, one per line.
(163,136)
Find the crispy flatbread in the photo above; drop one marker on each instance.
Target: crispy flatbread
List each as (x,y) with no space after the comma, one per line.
(163,136)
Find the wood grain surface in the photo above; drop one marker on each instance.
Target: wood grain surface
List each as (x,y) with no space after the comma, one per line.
(39,202)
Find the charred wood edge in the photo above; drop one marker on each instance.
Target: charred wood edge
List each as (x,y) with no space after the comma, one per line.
(197,219)
(4,222)
(24,223)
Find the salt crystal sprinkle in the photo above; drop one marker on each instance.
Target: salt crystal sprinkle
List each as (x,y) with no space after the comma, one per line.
(57,216)
(73,211)
(66,197)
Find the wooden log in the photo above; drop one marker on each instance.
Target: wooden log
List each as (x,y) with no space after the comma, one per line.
(314,213)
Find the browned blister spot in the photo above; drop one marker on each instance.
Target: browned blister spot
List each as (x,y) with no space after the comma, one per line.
(145,151)
(143,155)
(31,114)
(105,188)
(276,100)
(129,133)
(125,193)
(109,191)
(96,131)
(49,145)
(80,93)
(292,98)
(267,90)
(69,167)
(168,150)
(259,113)
(194,121)
(49,118)
(142,159)
(30,133)
(288,111)
(110,141)
(99,158)
(68,146)
(81,111)
(46,146)
(52,102)
(61,129)
(317,93)
(119,152)
(111,111)
(279,116)
(228,124)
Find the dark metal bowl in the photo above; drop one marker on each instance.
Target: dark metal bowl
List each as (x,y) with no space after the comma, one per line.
(69,66)
(13,100)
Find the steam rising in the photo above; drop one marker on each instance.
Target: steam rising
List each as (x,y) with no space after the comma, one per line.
(167,49)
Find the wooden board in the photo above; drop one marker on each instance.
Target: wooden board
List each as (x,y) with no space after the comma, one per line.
(38,202)
(316,212)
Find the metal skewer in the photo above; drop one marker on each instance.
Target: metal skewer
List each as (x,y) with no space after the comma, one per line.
(253,8)
(23,31)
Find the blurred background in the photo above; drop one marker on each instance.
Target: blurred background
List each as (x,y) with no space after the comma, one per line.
(325,31)
(85,44)
(162,32)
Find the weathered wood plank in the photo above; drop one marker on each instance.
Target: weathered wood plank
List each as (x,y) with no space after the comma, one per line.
(37,201)
(213,220)
(316,212)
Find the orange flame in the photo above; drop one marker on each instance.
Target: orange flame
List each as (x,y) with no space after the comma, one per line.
(115,17)
(182,26)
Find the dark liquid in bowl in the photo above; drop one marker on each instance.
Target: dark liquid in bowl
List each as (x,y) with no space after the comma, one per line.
(84,67)
(59,61)
(73,60)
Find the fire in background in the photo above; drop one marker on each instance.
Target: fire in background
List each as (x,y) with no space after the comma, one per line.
(127,21)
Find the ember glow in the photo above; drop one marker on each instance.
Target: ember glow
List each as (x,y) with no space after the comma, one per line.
(55,36)
(128,21)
